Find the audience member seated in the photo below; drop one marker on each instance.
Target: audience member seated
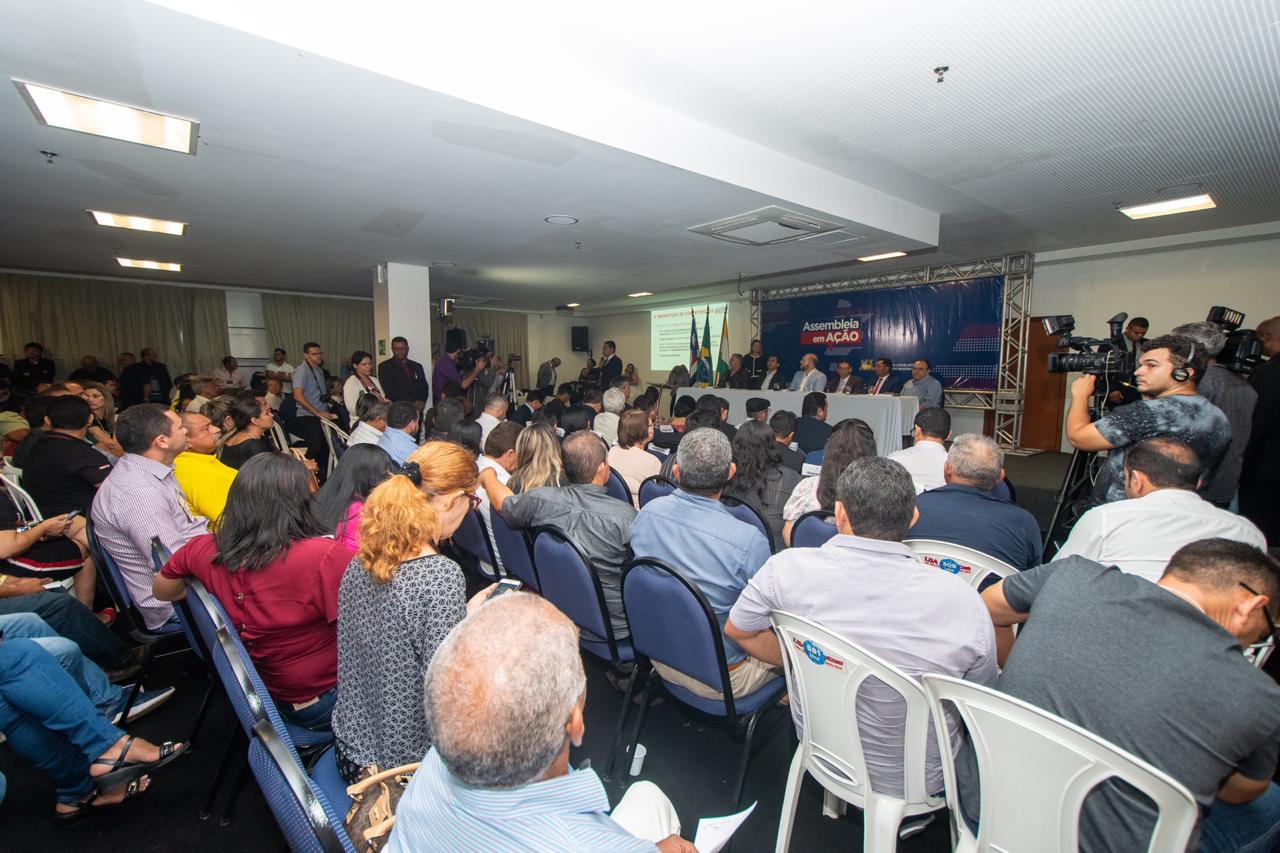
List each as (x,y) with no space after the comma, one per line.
(526,410)
(146,381)
(583,511)
(538,460)
(48,719)
(447,413)
(340,500)
(576,419)
(336,405)
(253,420)
(466,434)
(373,421)
(32,370)
(758,409)
(667,435)
(276,573)
(273,391)
(51,550)
(1156,669)
(783,424)
(205,392)
(35,413)
(691,530)
(66,615)
(629,458)
(63,471)
(102,429)
(402,425)
(90,370)
(398,600)
(966,512)
(500,457)
(230,377)
(141,499)
(494,413)
(498,777)
(851,439)
(1161,513)
(913,616)
(203,478)
(698,419)
(761,479)
(926,456)
(812,429)
(593,399)
(808,378)
(361,383)
(844,382)
(922,385)
(606,423)
(560,402)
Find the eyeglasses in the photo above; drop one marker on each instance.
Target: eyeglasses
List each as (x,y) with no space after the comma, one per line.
(1271,623)
(475,500)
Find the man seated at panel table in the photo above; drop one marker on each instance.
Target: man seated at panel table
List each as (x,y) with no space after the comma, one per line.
(917,618)
(691,530)
(498,776)
(1157,670)
(844,382)
(808,377)
(922,385)
(926,457)
(885,382)
(773,379)
(1160,514)
(965,512)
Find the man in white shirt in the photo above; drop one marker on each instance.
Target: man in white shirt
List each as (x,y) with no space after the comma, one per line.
(808,378)
(927,456)
(373,422)
(495,411)
(204,394)
(230,377)
(606,423)
(500,455)
(280,368)
(1160,514)
(771,381)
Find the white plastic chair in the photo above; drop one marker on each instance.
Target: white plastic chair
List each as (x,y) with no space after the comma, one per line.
(975,566)
(26,502)
(824,672)
(1040,810)
(330,431)
(1259,652)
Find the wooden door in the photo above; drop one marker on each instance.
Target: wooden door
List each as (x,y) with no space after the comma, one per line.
(1045,393)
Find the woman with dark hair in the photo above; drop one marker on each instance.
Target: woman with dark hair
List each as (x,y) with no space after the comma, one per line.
(277,576)
(253,420)
(852,439)
(341,498)
(467,434)
(361,382)
(761,479)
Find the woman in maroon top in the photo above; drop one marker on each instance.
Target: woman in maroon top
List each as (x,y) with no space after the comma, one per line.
(277,581)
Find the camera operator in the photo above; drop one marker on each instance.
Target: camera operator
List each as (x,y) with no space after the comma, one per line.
(1231,393)
(1135,335)
(1167,374)
(1260,480)
(445,369)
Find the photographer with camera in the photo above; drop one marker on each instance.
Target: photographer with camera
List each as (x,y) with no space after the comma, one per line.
(1166,376)
(1260,479)
(446,369)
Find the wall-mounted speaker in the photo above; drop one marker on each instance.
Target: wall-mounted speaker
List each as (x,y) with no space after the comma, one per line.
(580,339)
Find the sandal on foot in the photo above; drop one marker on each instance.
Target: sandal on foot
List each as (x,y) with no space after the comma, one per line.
(124,770)
(132,790)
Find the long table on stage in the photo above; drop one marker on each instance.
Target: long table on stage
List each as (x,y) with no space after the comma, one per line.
(890,418)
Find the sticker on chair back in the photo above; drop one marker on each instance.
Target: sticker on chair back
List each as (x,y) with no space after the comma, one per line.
(949,565)
(817,655)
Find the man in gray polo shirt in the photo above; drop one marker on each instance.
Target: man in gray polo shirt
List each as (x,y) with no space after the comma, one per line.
(868,587)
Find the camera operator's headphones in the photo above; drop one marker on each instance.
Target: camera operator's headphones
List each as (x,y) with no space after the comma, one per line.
(1181,374)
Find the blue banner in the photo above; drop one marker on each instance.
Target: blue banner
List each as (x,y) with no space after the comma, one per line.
(955,325)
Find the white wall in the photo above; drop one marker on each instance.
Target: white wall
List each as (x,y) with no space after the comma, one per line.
(549,336)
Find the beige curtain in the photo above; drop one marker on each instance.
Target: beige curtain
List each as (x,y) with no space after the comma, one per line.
(509,330)
(339,326)
(74,317)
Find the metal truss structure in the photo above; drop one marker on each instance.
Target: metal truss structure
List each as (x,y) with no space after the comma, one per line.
(1007,400)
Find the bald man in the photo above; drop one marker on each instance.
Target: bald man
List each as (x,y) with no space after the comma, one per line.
(808,378)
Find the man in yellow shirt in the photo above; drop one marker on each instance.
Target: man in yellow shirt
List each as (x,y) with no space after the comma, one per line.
(203,479)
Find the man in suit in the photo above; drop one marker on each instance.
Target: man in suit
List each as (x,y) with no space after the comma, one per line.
(812,430)
(1135,335)
(610,365)
(773,379)
(546,380)
(526,411)
(886,382)
(402,379)
(1260,477)
(844,382)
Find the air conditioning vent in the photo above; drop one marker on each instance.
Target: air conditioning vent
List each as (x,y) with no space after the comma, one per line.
(766,226)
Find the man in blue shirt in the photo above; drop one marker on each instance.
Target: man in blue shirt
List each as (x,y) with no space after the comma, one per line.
(965,512)
(402,425)
(923,386)
(691,530)
(498,777)
(309,392)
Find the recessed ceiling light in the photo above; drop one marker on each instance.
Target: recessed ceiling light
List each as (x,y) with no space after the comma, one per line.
(443,264)
(641,293)
(884,257)
(56,108)
(561,219)
(1204,201)
(573,305)
(138,223)
(150,265)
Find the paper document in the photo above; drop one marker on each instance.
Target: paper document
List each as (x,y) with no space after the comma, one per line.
(714,832)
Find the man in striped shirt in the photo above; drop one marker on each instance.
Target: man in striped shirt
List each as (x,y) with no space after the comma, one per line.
(141,499)
(498,777)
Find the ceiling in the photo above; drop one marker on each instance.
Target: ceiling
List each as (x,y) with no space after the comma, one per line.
(330,142)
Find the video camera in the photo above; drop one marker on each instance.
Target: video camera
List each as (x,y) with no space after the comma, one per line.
(1242,350)
(1108,357)
(468,357)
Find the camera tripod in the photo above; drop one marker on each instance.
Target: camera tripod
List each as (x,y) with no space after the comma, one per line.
(1075,495)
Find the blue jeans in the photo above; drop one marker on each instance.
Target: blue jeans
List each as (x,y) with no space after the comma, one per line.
(92,680)
(313,717)
(1246,828)
(48,720)
(71,619)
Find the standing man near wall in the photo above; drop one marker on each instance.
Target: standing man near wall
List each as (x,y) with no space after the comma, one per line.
(402,379)
(610,366)
(546,382)
(309,391)
(1260,480)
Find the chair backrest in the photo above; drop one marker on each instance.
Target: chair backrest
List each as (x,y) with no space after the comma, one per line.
(824,673)
(113,580)
(277,435)
(617,487)
(657,452)
(517,554)
(744,511)
(655,487)
(813,529)
(671,621)
(973,566)
(472,538)
(815,457)
(25,502)
(159,556)
(570,583)
(1259,652)
(306,817)
(248,704)
(337,441)
(1041,810)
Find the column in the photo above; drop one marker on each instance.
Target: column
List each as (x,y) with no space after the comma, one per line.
(402,307)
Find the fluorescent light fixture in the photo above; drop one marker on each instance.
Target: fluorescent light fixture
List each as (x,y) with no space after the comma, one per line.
(1204,201)
(167,266)
(138,223)
(560,219)
(573,305)
(641,293)
(886,256)
(56,108)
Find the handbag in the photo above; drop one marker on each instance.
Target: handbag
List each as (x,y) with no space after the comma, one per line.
(373,805)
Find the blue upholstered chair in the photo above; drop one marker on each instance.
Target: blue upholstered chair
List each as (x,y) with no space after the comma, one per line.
(517,553)
(655,487)
(812,529)
(744,511)
(617,487)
